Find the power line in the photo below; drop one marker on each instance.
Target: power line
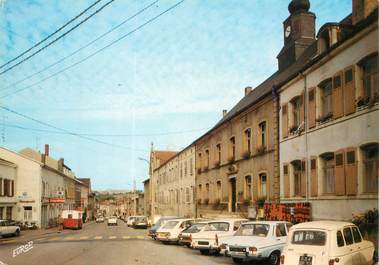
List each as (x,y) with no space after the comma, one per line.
(101,135)
(96,52)
(50,35)
(58,38)
(83,47)
(69,132)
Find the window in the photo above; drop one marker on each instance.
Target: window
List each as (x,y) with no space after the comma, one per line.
(371,167)
(1,213)
(248,187)
(309,237)
(187,195)
(326,99)
(219,190)
(262,130)
(207,158)
(328,172)
(280,230)
(297,177)
(200,192)
(260,230)
(247,134)
(370,77)
(217,226)
(340,241)
(295,102)
(185,168)
(28,214)
(191,166)
(356,235)
(348,236)
(218,148)
(199,163)
(207,191)
(1,188)
(9,213)
(262,186)
(232,148)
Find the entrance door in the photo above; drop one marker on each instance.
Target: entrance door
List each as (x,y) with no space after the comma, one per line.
(233,193)
(44,217)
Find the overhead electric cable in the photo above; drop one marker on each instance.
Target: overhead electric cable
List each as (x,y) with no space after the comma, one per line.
(96,52)
(56,39)
(50,35)
(100,135)
(83,47)
(67,131)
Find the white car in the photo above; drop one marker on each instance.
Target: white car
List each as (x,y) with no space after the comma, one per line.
(185,237)
(100,219)
(258,240)
(112,220)
(6,229)
(208,240)
(170,231)
(140,222)
(130,220)
(327,242)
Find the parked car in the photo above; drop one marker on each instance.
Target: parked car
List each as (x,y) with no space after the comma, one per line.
(130,220)
(158,224)
(327,242)
(8,229)
(140,222)
(208,239)
(170,231)
(72,219)
(258,240)
(100,219)
(112,220)
(185,237)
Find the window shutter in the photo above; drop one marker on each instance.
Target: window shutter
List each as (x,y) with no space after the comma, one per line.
(351,171)
(302,109)
(303,178)
(12,191)
(337,96)
(349,90)
(339,172)
(314,181)
(286,182)
(312,108)
(285,120)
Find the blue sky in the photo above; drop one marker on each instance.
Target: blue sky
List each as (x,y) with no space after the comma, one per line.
(166,83)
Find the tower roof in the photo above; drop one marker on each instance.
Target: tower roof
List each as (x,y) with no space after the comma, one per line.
(299,6)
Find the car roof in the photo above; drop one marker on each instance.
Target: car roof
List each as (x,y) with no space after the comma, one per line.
(227,220)
(324,225)
(267,222)
(181,219)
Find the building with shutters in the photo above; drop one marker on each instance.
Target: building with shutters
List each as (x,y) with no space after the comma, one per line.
(329,112)
(174,192)
(8,197)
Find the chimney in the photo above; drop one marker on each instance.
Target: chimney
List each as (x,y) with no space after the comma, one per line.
(47,150)
(60,164)
(362,9)
(224,111)
(248,89)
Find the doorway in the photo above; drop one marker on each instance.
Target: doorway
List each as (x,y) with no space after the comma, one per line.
(232,194)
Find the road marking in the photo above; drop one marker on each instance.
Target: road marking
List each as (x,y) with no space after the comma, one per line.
(41,239)
(53,239)
(140,237)
(84,237)
(69,238)
(112,237)
(98,237)
(126,237)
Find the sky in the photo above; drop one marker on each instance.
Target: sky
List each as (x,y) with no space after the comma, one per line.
(164,81)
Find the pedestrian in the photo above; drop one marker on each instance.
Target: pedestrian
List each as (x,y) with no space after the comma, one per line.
(60,223)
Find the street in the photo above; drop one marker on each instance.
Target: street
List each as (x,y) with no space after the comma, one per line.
(101,244)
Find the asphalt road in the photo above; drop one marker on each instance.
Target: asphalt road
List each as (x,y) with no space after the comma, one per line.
(100,244)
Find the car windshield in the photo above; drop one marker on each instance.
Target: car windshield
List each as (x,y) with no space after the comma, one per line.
(194,228)
(141,219)
(170,224)
(309,237)
(260,230)
(217,226)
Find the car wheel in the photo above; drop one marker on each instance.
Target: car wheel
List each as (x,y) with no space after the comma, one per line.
(17,233)
(274,258)
(237,260)
(204,251)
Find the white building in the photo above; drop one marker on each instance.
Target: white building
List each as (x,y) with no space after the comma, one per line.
(7,189)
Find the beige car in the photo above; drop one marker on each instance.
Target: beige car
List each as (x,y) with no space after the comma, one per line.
(7,229)
(327,242)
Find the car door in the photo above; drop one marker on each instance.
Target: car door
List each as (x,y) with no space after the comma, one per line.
(352,248)
(280,233)
(364,252)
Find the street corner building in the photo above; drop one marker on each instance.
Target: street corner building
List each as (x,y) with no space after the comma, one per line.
(35,188)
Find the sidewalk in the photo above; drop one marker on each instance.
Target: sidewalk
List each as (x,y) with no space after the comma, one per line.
(33,234)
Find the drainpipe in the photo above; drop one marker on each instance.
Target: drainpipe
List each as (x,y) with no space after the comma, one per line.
(275,94)
(306,135)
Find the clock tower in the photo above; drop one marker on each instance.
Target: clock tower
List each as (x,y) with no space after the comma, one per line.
(298,32)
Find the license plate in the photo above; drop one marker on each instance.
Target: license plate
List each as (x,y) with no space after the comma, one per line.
(305,260)
(234,249)
(203,243)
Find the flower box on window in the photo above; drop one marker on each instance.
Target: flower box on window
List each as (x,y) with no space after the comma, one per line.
(231,159)
(205,169)
(206,201)
(362,101)
(325,118)
(217,164)
(199,201)
(199,171)
(261,149)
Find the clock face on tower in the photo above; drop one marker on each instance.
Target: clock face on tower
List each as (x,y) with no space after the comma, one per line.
(287,31)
